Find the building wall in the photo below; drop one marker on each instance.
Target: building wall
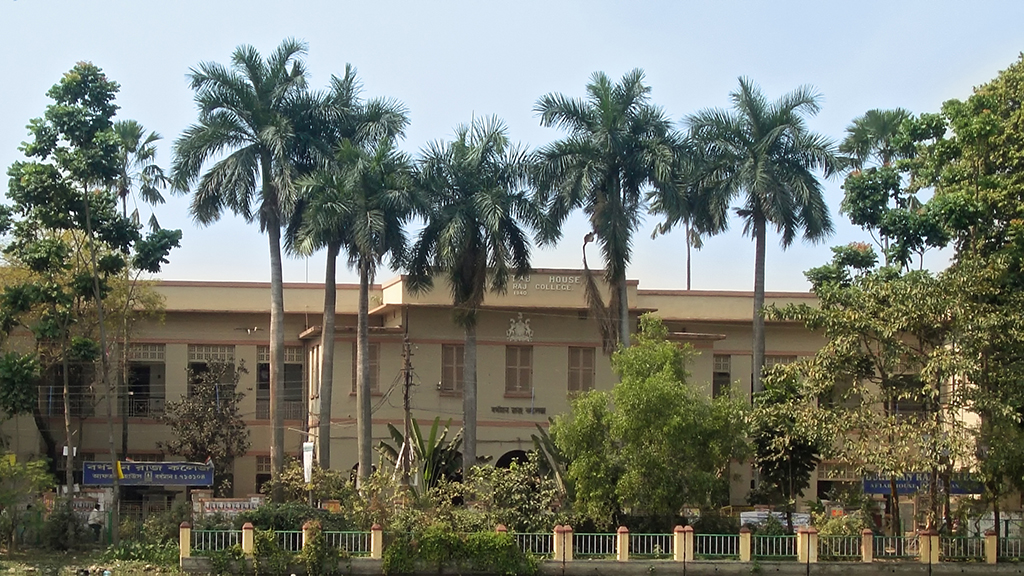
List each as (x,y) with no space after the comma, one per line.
(547,312)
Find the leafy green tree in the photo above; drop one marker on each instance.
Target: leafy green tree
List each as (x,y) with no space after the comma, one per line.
(206,422)
(619,146)
(359,201)
(764,152)
(786,449)
(654,443)
(436,456)
(477,217)
(259,113)
(21,483)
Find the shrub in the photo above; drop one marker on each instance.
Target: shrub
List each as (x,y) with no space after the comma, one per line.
(291,516)
(714,522)
(436,548)
(63,530)
(165,554)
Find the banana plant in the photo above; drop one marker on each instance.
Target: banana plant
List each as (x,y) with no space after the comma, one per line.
(435,457)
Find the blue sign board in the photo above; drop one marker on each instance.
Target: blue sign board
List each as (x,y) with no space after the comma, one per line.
(918,482)
(149,474)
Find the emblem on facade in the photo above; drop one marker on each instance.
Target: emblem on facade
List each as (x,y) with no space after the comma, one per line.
(519,330)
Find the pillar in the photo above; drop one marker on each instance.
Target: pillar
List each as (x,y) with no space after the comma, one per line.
(812,545)
(500,529)
(991,547)
(376,542)
(744,544)
(928,547)
(867,546)
(556,544)
(567,544)
(248,539)
(307,533)
(801,545)
(184,541)
(678,544)
(622,544)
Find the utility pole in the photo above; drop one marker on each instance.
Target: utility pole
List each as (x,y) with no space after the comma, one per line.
(407,373)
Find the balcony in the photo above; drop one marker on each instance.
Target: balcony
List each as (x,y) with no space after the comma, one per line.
(293,409)
(146,407)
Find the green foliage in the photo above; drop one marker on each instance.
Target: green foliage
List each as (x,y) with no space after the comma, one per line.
(436,548)
(438,457)
(325,484)
(163,554)
(19,378)
(654,443)
(62,529)
(851,524)
(207,423)
(226,561)
(786,449)
(162,527)
(317,557)
(20,486)
(269,559)
(714,522)
(520,497)
(291,516)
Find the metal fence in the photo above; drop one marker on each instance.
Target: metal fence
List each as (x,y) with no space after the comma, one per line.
(962,548)
(1011,548)
(895,547)
(713,546)
(211,540)
(355,543)
(839,548)
(773,546)
(536,544)
(289,540)
(593,545)
(650,545)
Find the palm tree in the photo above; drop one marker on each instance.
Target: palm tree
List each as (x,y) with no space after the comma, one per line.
(252,116)
(619,144)
(360,201)
(764,152)
(475,235)
(691,202)
(138,171)
(873,135)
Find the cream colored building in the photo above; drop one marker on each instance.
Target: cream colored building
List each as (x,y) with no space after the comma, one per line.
(537,346)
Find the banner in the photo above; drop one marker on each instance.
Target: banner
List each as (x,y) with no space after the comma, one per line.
(918,482)
(149,473)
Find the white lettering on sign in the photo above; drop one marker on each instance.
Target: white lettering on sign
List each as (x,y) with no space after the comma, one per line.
(554,283)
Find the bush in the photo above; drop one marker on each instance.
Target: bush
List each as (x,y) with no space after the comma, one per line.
(714,522)
(63,530)
(435,548)
(165,554)
(163,526)
(291,516)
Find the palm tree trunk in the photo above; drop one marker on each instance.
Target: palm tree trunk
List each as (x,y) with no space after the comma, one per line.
(364,419)
(689,243)
(758,329)
(323,433)
(623,289)
(276,352)
(469,400)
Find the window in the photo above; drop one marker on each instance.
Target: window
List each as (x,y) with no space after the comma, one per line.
(80,398)
(374,354)
(292,400)
(453,358)
(263,473)
(518,370)
(770,361)
(146,379)
(581,369)
(200,356)
(721,376)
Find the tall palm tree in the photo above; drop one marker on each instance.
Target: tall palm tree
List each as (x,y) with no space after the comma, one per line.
(252,118)
(138,171)
(764,152)
(689,201)
(476,214)
(357,200)
(873,135)
(619,145)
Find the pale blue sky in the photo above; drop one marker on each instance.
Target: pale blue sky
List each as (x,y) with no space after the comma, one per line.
(450,60)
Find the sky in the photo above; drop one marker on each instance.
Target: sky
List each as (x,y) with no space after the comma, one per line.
(453,60)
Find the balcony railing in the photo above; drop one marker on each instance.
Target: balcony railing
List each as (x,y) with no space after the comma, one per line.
(293,409)
(51,401)
(146,407)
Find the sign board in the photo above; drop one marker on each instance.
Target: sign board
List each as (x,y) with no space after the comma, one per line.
(918,482)
(307,461)
(149,473)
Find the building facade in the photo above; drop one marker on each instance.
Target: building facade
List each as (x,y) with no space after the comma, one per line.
(537,348)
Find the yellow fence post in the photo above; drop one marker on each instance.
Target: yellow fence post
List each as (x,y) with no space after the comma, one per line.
(744,544)
(811,534)
(801,545)
(991,547)
(248,539)
(556,545)
(376,542)
(622,544)
(867,546)
(567,545)
(307,533)
(678,545)
(184,541)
